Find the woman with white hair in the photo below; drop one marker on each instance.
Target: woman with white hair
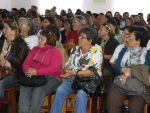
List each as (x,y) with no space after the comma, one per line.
(28,31)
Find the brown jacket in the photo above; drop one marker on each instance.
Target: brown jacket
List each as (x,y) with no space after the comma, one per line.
(141,72)
(19,52)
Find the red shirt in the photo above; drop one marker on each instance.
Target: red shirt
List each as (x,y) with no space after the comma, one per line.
(74,36)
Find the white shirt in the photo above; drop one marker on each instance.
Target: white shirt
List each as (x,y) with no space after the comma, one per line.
(116,53)
(1,34)
(122,24)
(60,34)
(38,34)
(148,45)
(32,41)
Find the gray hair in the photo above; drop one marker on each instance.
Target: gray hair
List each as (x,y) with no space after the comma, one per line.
(29,22)
(25,20)
(80,19)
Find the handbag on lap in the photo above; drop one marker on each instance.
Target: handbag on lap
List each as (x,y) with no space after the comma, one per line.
(92,85)
(34,81)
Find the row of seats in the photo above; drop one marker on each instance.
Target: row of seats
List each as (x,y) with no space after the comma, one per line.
(11,94)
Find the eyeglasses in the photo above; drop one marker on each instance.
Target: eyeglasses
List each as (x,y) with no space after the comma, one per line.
(83,37)
(125,34)
(130,37)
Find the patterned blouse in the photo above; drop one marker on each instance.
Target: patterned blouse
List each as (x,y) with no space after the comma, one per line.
(77,60)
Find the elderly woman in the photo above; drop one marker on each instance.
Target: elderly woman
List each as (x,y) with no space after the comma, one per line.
(81,57)
(43,60)
(136,54)
(28,31)
(13,52)
(107,40)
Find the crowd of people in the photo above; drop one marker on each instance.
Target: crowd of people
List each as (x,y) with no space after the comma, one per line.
(32,45)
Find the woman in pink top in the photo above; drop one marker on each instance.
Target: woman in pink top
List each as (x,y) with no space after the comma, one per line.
(44,60)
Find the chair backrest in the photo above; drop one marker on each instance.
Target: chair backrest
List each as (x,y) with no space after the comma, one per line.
(102,65)
(105,78)
(68,47)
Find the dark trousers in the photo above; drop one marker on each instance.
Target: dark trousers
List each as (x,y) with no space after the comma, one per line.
(116,98)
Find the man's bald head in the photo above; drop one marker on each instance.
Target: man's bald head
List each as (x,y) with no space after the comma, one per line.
(101,19)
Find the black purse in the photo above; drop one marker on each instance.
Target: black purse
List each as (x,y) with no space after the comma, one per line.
(92,85)
(34,81)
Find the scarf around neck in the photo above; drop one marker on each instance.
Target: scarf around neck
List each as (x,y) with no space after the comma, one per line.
(134,56)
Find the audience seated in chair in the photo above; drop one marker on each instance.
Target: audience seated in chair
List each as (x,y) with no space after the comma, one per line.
(136,54)
(13,53)
(28,31)
(43,60)
(78,24)
(106,33)
(81,57)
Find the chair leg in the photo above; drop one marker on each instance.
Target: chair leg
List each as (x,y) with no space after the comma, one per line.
(146,108)
(14,105)
(10,108)
(49,102)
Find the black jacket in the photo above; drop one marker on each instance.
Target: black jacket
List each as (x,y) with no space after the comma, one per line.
(19,52)
(109,49)
(63,36)
(2,37)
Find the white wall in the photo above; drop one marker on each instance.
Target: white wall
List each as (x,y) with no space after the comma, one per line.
(84,5)
(5,4)
(24,3)
(132,6)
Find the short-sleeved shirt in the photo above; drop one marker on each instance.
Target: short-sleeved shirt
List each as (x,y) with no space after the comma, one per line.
(77,60)
(32,41)
(116,53)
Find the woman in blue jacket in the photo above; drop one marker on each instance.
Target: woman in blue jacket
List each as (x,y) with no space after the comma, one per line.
(135,54)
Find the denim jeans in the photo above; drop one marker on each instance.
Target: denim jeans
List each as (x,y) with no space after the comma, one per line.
(62,91)
(31,98)
(8,81)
